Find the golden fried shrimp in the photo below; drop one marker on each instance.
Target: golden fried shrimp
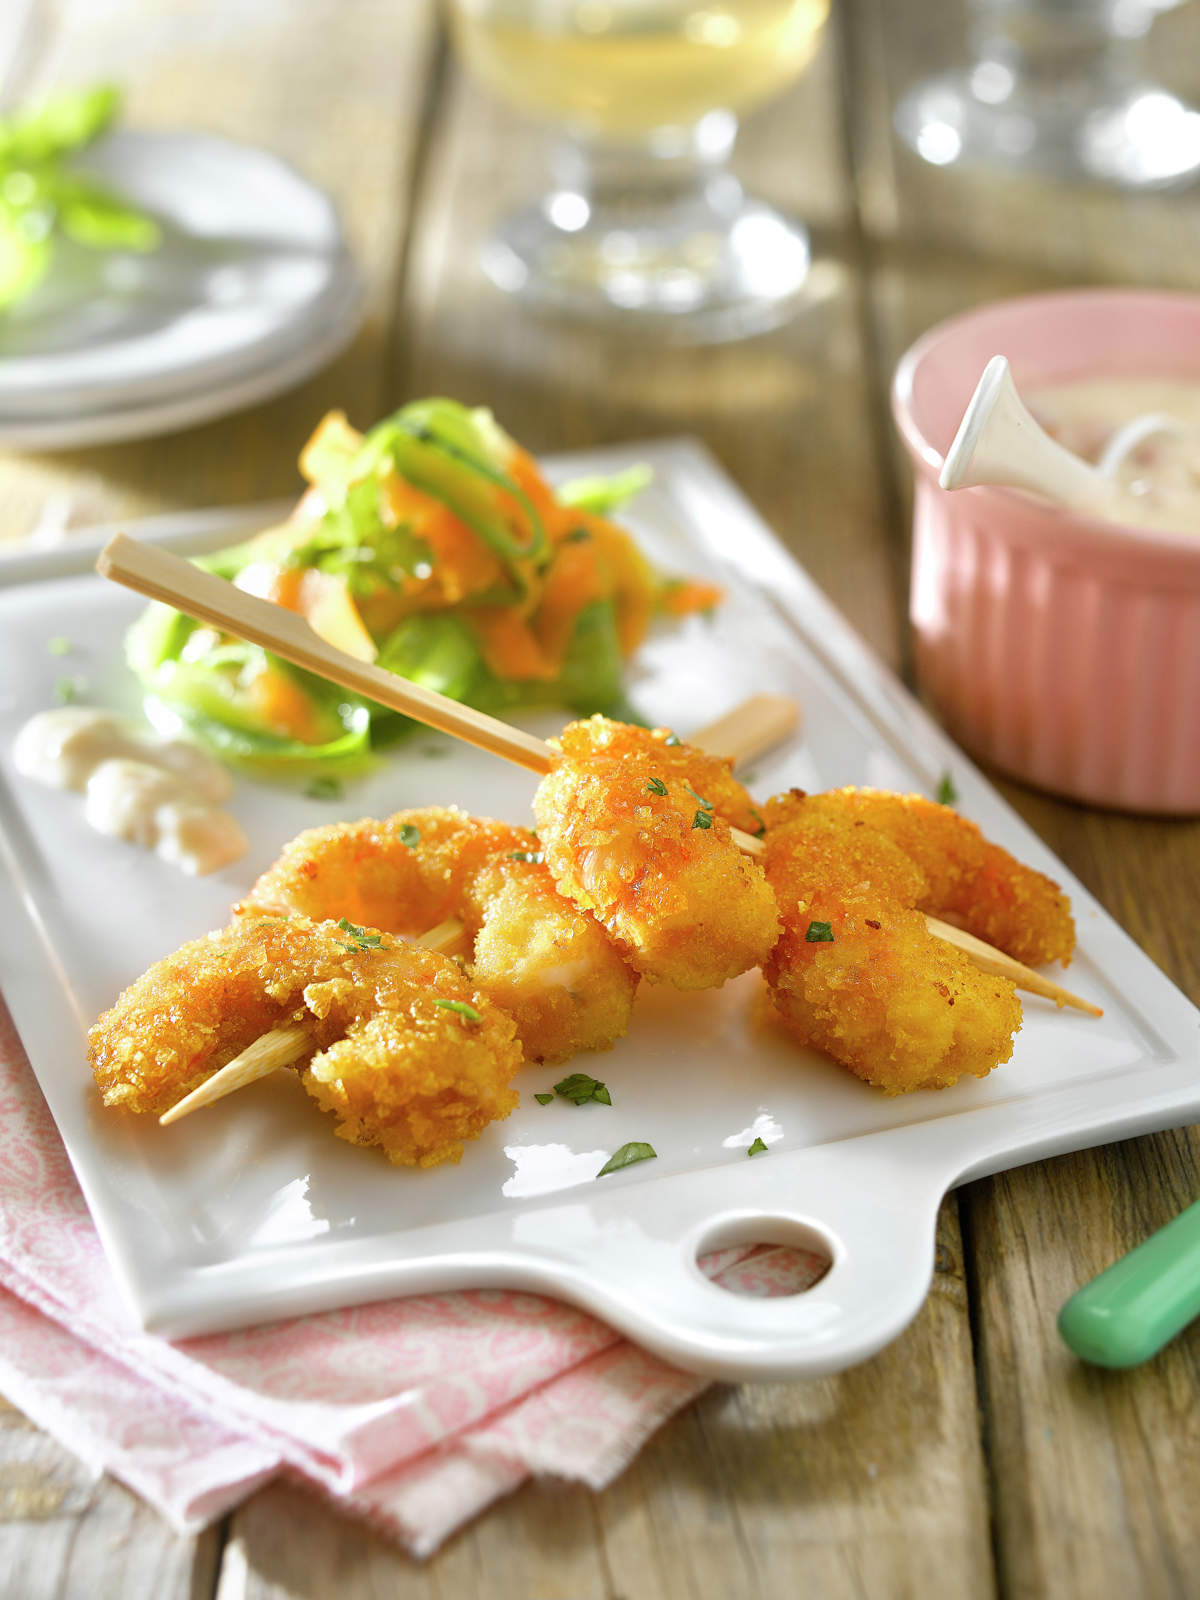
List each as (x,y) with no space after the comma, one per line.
(405,1052)
(968,879)
(404,873)
(551,966)
(874,989)
(636,828)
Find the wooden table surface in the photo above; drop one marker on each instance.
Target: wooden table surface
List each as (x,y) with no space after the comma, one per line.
(974,1457)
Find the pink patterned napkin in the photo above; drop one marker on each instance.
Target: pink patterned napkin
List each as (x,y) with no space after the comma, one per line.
(414,1413)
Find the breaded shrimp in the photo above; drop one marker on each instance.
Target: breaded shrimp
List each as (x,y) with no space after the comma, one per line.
(856,972)
(551,966)
(405,1052)
(636,828)
(969,879)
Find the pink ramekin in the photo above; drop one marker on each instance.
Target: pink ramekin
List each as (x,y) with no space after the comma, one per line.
(1062,649)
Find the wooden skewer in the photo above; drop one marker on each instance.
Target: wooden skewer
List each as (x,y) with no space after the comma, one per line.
(163,576)
(985,956)
(281,1046)
(988,959)
(266,1055)
(749,730)
(170,578)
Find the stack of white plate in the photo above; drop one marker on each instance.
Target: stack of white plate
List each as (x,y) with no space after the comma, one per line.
(250,291)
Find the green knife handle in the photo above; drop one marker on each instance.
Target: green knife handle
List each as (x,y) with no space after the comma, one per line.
(1135,1306)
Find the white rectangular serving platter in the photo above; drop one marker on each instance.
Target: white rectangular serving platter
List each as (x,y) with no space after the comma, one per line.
(251,1209)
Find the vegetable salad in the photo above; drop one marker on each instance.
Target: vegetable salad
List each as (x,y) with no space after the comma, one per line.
(433,547)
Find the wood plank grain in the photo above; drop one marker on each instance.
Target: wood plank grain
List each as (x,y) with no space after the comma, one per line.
(274,76)
(65,1533)
(1094,1475)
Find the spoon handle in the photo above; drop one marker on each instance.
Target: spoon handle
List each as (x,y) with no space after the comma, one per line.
(1134,1307)
(999,443)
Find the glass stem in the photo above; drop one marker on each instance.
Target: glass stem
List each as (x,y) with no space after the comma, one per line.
(630,184)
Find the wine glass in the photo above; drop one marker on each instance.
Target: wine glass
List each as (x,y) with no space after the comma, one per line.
(641,218)
(1058,87)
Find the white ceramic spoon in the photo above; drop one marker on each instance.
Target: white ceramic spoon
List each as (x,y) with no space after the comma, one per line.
(999,444)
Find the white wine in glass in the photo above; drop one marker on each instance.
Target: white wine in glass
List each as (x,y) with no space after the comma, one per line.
(642,216)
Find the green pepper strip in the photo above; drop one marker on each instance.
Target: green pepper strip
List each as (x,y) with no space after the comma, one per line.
(510,549)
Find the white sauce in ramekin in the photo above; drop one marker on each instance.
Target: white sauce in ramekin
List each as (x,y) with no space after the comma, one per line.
(1161,474)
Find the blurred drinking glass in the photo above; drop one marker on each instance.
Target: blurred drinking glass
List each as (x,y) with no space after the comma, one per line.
(642,217)
(1057,87)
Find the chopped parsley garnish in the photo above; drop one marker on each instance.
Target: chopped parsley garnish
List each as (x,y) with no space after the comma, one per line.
(435,752)
(702,819)
(627,1156)
(323,789)
(757,1148)
(707,804)
(579,1088)
(672,739)
(410,835)
(461,1006)
(748,777)
(819,933)
(543,1099)
(656,786)
(534,856)
(762,827)
(576,536)
(947,794)
(68,689)
(362,939)
(58,646)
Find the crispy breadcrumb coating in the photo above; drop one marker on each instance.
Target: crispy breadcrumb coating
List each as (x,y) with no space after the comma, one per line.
(551,966)
(637,830)
(858,975)
(394,1056)
(969,879)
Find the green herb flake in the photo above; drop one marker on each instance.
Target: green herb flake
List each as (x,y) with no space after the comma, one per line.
(762,827)
(536,857)
(748,777)
(577,536)
(819,933)
(579,1089)
(672,739)
(69,689)
(362,939)
(410,835)
(462,1008)
(543,1099)
(324,789)
(656,786)
(434,752)
(947,794)
(758,1148)
(58,646)
(627,1156)
(702,819)
(707,804)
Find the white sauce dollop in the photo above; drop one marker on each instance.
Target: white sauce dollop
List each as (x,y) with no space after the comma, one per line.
(160,794)
(1162,474)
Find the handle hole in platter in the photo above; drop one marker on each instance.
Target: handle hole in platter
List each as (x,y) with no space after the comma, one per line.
(763,1256)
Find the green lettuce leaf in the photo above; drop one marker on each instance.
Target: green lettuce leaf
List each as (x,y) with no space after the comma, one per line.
(606,494)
